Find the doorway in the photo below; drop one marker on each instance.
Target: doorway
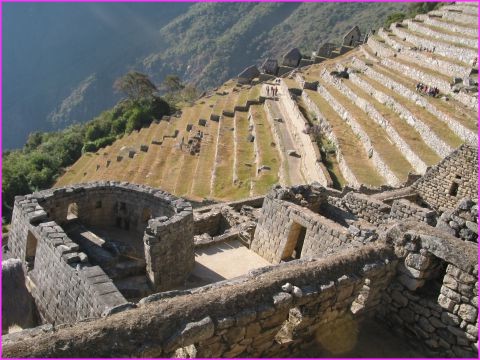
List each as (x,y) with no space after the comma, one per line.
(294,245)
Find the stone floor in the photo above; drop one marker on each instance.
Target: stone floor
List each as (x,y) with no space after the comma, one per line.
(223,261)
(371,339)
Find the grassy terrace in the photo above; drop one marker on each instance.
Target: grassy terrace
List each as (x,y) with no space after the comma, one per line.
(291,83)
(456,110)
(242,97)
(206,158)
(400,40)
(352,149)
(423,69)
(330,159)
(435,125)
(267,154)
(139,167)
(245,165)
(175,157)
(471,25)
(431,38)
(254,92)
(223,180)
(447,32)
(74,171)
(184,182)
(407,132)
(379,138)
(231,101)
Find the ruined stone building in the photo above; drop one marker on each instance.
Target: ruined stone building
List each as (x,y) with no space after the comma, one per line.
(116,269)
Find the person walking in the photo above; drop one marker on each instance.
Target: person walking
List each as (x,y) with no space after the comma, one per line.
(268,90)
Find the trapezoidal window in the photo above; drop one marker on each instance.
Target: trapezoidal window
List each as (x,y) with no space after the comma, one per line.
(294,245)
(72,211)
(434,279)
(146,215)
(453,189)
(31,250)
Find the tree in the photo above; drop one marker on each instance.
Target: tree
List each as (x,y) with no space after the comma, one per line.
(135,86)
(172,84)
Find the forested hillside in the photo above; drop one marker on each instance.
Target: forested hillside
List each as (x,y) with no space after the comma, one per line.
(60,60)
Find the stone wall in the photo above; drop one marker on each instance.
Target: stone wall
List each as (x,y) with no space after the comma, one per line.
(137,208)
(365,207)
(455,16)
(454,125)
(463,54)
(434,296)
(18,307)
(418,27)
(380,165)
(169,249)
(378,48)
(64,285)
(404,209)
(462,221)
(281,221)
(447,26)
(421,58)
(373,114)
(452,179)
(272,312)
(328,132)
(311,159)
(428,136)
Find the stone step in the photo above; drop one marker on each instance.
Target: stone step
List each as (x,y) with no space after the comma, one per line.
(356,167)
(364,101)
(407,132)
(404,50)
(133,287)
(421,74)
(437,22)
(463,54)
(454,108)
(383,153)
(430,139)
(421,107)
(464,19)
(441,34)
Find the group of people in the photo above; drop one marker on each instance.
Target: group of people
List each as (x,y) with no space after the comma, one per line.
(429,90)
(272,90)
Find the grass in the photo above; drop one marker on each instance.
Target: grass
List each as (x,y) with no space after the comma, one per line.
(223,180)
(471,25)
(386,149)
(329,160)
(245,164)
(460,114)
(406,132)
(447,32)
(231,101)
(446,42)
(423,69)
(254,92)
(268,154)
(352,149)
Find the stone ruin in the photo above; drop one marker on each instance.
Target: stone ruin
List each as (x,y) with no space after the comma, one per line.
(332,261)
(293,58)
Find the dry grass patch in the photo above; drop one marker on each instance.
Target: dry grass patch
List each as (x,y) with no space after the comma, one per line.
(407,132)
(382,143)
(352,149)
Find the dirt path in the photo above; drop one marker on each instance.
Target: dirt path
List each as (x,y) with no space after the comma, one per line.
(293,164)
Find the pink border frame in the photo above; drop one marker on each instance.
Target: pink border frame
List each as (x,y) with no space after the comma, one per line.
(23,1)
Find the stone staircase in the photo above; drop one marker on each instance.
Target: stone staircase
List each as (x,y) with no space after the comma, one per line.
(374,125)
(400,129)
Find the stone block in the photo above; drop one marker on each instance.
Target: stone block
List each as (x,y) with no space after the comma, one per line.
(467,313)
